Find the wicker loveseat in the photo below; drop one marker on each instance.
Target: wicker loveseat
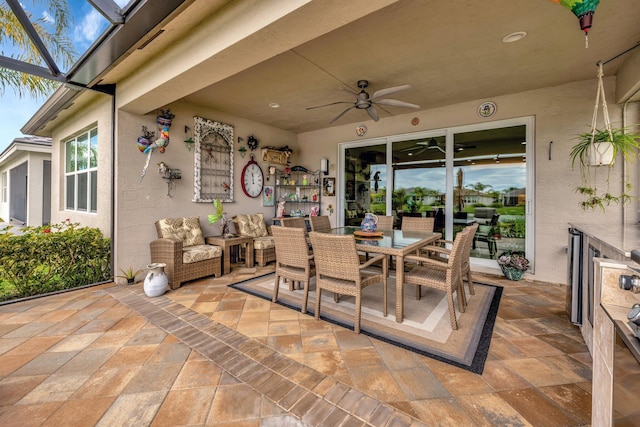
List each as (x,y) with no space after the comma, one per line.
(180,245)
(263,244)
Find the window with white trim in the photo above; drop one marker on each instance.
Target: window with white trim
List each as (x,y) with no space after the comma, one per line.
(5,187)
(81,172)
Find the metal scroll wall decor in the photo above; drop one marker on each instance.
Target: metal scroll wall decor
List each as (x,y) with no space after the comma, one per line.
(213,161)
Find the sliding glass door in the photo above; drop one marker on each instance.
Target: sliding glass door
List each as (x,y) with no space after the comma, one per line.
(460,176)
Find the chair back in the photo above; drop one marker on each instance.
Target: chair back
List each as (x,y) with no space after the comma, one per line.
(471,229)
(418,224)
(291,246)
(294,222)
(456,256)
(494,219)
(320,223)
(335,256)
(384,222)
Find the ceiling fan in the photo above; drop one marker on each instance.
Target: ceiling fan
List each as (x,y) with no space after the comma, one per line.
(365,102)
(432,144)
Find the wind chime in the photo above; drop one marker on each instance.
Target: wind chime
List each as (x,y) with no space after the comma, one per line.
(145,143)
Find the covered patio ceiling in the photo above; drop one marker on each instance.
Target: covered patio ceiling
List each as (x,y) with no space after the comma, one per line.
(449,52)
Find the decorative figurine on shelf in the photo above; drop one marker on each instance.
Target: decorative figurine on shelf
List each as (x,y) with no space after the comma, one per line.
(305,180)
(314,211)
(280,212)
(314,195)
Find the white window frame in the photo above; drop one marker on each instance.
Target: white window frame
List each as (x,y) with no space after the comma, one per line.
(91,158)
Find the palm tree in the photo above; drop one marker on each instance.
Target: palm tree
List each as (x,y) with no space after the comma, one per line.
(52,30)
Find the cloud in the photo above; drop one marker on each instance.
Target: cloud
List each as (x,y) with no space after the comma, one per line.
(90,27)
(46,16)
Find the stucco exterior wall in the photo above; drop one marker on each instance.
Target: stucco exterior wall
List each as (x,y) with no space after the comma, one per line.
(560,114)
(140,203)
(35,171)
(95,111)
(35,188)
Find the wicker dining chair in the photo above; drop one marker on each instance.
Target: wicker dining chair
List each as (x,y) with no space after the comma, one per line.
(320,223)
(293,260)
(440,255)
(338,270)
(294,222)
(421,224)
(385,222)
(446,277)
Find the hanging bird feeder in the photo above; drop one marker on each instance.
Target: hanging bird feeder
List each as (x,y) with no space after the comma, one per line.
(584,10)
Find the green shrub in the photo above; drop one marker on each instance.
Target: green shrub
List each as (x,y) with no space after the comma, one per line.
(52,258)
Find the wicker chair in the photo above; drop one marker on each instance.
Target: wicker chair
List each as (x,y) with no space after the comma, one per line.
(439,275)
(293,260)
(294,222)
(384,222)
(263,244)
(180,245)
(338,270)
(424,225)
(466,255)
(320,223)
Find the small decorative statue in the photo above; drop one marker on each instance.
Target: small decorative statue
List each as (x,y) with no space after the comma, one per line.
(280,211)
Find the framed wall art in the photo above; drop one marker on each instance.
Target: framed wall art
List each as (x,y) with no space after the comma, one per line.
(267,196)
(329,187)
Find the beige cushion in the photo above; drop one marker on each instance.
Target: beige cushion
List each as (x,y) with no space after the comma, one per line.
(265,242)
(252,225)
(200,253)
(185,229)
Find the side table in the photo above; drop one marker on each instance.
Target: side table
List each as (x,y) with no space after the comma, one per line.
(226,243)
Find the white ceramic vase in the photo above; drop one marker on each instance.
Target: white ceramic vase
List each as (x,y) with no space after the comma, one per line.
(156,282)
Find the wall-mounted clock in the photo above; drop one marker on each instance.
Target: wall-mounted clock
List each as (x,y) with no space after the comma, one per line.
(252,179)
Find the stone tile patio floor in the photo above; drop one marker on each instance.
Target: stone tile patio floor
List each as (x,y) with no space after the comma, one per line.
(206,354)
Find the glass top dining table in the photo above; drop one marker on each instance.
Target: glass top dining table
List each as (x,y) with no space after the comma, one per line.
(396,243)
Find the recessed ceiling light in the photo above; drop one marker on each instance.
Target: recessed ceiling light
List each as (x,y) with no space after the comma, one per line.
(274,105)
(514,37)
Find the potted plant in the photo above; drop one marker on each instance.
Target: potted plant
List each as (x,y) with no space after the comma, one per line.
(513,264)
(600,148)
(129,275)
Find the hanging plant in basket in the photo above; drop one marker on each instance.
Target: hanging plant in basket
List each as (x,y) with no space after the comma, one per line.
(513,264)
(599,148)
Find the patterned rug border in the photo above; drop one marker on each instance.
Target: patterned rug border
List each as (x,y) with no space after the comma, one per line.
(482,348)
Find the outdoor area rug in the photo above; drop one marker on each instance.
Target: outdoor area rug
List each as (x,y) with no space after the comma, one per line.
(426,328)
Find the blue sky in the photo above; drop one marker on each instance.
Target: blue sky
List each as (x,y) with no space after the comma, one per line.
(15,111)
(500,177)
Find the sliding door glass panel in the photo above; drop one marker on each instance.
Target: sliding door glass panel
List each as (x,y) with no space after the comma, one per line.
(419,179)
(365,175)
(490,188)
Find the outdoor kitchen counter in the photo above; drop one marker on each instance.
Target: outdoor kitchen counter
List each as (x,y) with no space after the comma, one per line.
(611,369)
(621,238)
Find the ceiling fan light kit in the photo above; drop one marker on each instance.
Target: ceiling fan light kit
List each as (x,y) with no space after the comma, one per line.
(365,102)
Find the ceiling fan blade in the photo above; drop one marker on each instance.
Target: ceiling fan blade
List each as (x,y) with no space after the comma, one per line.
(397,103)
(373,113)
(389,91)
(326,105)
(341,114)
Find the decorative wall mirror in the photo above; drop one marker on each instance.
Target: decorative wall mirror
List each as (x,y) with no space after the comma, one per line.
(213,162)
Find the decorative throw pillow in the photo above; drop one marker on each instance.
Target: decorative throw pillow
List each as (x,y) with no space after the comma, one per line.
(172,228)
(186,229)
(192,232)
(252,225)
